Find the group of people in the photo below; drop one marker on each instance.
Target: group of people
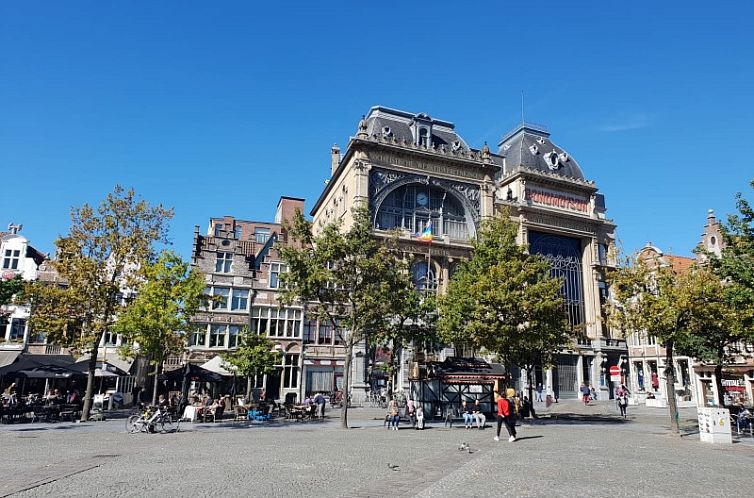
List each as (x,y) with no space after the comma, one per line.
(318,401)
(473,414)
(414,413)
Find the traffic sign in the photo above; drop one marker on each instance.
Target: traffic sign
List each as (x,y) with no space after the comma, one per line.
(615,370)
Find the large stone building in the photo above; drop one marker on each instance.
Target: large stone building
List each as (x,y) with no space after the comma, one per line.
(412,168)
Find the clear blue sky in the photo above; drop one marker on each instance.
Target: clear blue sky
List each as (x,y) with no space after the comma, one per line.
(219,108)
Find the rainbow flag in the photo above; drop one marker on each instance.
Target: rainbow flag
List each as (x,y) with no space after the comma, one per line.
(426,235)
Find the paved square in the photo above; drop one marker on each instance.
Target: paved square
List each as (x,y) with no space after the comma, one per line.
(575,451)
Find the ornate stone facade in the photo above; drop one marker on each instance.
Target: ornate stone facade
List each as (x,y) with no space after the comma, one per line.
(412,169)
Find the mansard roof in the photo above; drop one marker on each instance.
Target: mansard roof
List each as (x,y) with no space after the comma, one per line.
(392,122)
(529,146)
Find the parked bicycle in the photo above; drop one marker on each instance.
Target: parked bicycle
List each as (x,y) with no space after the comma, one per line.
(152,420)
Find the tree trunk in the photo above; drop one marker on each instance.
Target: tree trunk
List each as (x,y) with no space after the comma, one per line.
(391,374)
(719,382)
(670,388)
(249,384)
(90,383)
(157,369)
(530,389)
(346,382)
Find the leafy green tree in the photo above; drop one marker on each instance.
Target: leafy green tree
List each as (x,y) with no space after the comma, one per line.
(254,356)
(345,277)
(9,288)
(719,322)
(156,322)
(737,261)
(731,299)
(652,298)
(414,321)
(102,254)
(506,301)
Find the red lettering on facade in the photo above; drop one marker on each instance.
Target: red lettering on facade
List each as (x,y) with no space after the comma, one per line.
(557,200)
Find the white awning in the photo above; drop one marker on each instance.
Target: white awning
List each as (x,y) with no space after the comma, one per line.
(8,357)
(216,365)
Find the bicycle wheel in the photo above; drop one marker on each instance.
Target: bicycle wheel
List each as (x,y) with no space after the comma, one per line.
(167,424)
(132,424)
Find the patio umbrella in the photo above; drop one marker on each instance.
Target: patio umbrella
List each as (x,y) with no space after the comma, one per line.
(48,372)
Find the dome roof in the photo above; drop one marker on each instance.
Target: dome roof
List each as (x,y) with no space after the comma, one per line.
(530,146)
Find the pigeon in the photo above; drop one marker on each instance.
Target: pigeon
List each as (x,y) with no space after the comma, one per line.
(464,446)
(392,467)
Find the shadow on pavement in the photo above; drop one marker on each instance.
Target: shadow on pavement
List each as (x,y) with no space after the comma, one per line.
(575,418)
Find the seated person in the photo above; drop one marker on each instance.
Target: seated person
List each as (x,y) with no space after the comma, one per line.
(467,414)
(217,408)
(479,417)
(744,418)
(162,403)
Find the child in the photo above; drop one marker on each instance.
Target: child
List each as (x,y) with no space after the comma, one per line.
(419,418)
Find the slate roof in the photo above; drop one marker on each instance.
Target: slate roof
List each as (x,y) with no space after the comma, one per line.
(530,146)
(399,124)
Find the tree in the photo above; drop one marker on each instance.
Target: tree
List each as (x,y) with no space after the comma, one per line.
(737,261)
(254,356)
(652,298)
(345,277)
(718,324)
(156,321)
(414,318)
(505,300)
(731,315)
(101,255)
(9,288)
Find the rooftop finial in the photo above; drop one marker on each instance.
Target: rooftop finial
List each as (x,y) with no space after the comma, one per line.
(362,128)
(13,228)
(485,152)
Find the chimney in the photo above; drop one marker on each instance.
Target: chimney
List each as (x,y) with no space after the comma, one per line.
(335,153)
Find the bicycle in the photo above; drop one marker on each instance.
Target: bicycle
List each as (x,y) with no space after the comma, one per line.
(152,419)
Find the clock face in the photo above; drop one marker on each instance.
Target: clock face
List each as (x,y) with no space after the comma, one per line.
(421,199)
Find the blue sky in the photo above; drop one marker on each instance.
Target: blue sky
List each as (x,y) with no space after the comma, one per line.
(219,108)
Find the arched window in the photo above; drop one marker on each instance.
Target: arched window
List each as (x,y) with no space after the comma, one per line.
(412,206)
(564,254)
(424,277)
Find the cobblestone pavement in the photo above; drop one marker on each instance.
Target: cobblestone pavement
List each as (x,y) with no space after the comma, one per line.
(572,451)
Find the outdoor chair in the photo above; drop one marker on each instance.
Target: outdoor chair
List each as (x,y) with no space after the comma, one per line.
(241,413)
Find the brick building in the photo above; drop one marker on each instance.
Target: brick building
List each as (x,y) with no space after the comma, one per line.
(242,269)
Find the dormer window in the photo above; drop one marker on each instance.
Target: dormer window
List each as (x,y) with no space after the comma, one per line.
(11,258)
(423,137)
(387,132)
(456,145)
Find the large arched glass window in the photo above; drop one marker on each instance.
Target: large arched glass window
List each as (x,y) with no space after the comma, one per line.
(564,254)
(424,277)
(412,206)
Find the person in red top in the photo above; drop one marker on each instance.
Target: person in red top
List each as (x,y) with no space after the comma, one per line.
(505,415)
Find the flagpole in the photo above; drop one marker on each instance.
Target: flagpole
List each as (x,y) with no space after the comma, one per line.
(429,263)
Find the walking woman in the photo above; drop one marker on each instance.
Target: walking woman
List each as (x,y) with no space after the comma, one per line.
(505,415)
